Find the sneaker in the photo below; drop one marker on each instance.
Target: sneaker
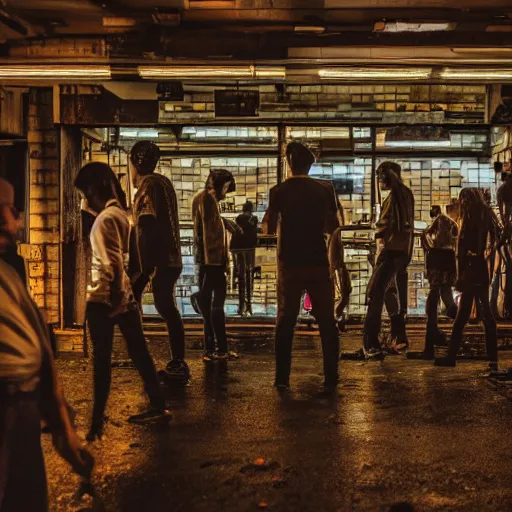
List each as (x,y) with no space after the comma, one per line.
(151,416)
(248,310)
(228,356)
(282,387)
(374,354)
(208,357)
(445,361)
(177,370)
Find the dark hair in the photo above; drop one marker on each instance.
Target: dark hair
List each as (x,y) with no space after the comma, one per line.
(248,206)
(217,179)
(300,158)
(498,166)
(472,204)
(144,156)
(387,166)
(101,179)
(435,210)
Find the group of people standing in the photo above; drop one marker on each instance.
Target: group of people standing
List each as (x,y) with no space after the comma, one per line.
(126,256)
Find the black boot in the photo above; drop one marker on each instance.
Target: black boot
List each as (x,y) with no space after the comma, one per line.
(399,341)
(433,338)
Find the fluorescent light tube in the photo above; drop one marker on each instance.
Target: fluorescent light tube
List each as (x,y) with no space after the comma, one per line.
(212,72)
(391,73)
(54,73)
(413,26)
(483,74)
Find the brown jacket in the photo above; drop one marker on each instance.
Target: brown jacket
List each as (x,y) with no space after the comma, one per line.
(396,223)
(210,235)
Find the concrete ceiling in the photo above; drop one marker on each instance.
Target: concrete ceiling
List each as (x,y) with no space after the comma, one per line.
(245,29)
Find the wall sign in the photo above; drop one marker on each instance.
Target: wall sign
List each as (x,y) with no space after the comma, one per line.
(235,103)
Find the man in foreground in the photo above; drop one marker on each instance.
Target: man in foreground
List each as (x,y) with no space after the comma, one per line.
(301,210)
(29,388)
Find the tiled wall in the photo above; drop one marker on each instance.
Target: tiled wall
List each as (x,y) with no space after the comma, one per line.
(386,103)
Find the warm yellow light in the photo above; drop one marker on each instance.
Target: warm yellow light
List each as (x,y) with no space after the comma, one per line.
(375,73)
(484,74)
(413,26)
(212,72)
(54,73)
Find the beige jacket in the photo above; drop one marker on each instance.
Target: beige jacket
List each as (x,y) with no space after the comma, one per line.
(210,235)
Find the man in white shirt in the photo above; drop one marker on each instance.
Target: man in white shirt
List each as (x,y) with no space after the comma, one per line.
(29,388)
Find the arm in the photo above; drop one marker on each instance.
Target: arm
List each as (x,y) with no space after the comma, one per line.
(212,230)
(55,411)
(333,211)
(231,226)
(147,244)
(271,218)
(147,233)
(106,244)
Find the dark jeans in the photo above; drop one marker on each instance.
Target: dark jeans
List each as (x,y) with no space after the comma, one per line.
(212,296)
(481,295)
(101,328)
(292,281)
(164,293)
(389,265)
(244,267)
(436,293)
(22,471)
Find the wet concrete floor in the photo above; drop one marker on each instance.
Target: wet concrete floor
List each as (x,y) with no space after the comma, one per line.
(397,431)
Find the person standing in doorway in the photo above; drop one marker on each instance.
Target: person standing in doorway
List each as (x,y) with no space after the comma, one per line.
(243,249)
(440,240)
(395,236)
(477,241)
(157,233)
(211,253)
(29,387)
(301,210)
(110,298)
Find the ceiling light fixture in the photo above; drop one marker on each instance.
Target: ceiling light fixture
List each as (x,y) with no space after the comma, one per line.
(213,72)
(54,73)
(413,26)
(309,29)
(391,73)
(481,74)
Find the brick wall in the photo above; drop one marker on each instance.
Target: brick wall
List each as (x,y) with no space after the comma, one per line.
(42,251)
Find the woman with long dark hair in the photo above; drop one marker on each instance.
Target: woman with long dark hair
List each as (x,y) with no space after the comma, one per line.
(477,242)
(110,299)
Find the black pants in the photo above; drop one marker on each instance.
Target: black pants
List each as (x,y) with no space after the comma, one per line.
(22,472)
(481,294)
(244,267)
(390,266)
(101,328)
(437,292)
(164,293)
(292,281)
(212,296)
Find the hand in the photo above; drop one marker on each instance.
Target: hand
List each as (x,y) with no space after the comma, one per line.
(70,448)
